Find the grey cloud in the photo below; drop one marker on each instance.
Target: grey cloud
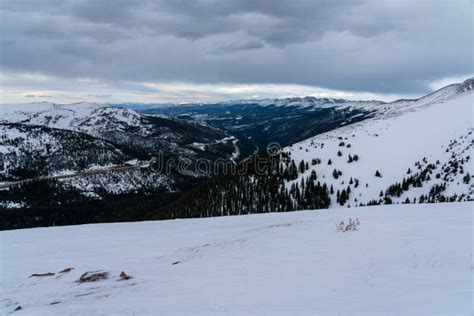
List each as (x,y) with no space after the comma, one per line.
(379,46)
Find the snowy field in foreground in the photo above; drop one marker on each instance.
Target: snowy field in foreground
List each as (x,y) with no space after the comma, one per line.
(405,259)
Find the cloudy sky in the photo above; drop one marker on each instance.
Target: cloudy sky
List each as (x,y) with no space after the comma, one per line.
(206,50)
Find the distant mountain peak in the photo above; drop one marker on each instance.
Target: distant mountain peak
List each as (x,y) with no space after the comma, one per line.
(466,85)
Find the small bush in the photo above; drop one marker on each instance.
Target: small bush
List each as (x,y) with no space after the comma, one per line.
(351,225)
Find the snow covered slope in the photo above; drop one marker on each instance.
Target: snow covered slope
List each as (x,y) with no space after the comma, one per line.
(416,146)
(90,118)
(46,139)
(403,260)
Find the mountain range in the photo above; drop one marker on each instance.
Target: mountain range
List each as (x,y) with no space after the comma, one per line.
(93,155)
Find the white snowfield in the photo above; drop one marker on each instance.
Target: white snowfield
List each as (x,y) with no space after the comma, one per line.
(437,128)
(403,260)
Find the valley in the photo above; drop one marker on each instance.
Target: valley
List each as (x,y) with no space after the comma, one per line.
(330,153)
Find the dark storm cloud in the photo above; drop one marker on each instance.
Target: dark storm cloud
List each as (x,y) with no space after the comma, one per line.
(379,46)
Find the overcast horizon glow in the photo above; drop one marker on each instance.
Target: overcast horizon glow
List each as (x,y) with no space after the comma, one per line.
(209,50)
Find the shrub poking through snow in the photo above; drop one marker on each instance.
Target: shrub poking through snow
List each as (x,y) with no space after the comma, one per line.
(349,226)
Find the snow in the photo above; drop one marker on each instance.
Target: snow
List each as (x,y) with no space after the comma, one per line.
(132,162)
(392,142)
(10,204)
(91,118)
(403,260)
(199,146)
(64,173)
(236,153)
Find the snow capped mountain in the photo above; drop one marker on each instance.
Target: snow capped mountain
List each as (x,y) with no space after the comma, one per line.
(407,151)
(42,141)
(286,121)
(33,150)
(417,147)
(308,103)
(344,153)
(90,118)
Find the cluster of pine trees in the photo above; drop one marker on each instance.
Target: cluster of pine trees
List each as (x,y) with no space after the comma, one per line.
(343,195)
(73,208)
(416,180)
(255,191)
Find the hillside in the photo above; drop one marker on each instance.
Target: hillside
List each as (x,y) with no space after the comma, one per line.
(285,121)
(426,144)
(357,153)
(41,140)
(290,120)
(146,135)
(402,260)
(410,151)
(75,139)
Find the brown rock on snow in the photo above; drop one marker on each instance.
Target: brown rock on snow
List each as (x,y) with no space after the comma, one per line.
(93,276)
(41,274)
(124,276)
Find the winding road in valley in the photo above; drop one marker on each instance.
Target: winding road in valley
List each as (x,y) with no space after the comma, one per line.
(6,185)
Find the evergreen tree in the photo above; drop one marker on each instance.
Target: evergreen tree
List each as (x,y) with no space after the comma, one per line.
(302,166)
(343,197)
(467,178)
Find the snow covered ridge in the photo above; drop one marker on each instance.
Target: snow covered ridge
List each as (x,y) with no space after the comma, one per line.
(91,118)
(311,102)
(418,150)
(17,112)
(45,139)
(402,260)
